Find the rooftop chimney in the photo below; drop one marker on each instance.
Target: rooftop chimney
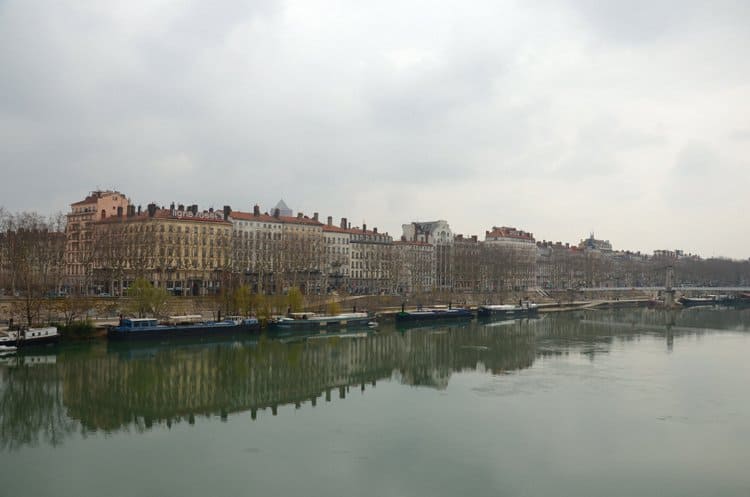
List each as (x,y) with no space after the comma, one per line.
(315,216)
(181,207)
(171,206)
(276,213)
(364,227)
(330,221)
(375,230)
(299,215)
(151,210)
(343,222)
(227,211)
(139,210)
(256,210)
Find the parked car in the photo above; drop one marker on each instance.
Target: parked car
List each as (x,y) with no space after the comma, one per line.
(53,294)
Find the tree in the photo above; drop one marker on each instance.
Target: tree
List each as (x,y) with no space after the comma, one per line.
(31,261)
(333,308)
(262,306)
(146,299)
(295,299)
(242,300)
(72,308)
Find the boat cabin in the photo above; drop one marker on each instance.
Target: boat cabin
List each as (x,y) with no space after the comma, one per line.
(137,323)
(183,320)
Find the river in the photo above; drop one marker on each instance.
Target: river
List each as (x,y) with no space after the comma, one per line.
(597,403)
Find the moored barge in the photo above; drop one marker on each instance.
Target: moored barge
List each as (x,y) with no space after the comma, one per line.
(433,315)
(23,337)
(148,328)
(314,322)
(508,311)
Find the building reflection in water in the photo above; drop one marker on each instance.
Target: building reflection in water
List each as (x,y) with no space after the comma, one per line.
(108,387)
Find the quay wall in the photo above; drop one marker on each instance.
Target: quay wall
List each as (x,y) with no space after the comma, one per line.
(110,308)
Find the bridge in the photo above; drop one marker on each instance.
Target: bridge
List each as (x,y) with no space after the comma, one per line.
(683,289)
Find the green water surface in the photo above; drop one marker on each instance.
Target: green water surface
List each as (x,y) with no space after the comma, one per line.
(603,403)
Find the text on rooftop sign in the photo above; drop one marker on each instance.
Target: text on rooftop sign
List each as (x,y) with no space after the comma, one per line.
(217,215)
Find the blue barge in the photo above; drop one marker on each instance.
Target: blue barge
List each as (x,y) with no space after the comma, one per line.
(146,328)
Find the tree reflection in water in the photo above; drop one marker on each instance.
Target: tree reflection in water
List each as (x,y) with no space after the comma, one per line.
(111,387)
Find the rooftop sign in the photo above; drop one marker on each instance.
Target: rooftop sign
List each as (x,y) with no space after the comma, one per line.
(217,215)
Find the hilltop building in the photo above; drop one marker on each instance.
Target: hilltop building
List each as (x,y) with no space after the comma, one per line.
(434,232)
(282,208)
(592,243)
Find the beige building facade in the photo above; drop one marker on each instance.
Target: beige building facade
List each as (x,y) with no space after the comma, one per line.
(183,250)
(413,266)
(276,252)
(509,260)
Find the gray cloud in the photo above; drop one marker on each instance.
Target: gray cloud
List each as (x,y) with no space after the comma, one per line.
(645,21)
(386,112)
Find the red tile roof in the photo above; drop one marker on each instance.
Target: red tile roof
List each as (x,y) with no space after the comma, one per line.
(249,216)
(506,232)
(94,196)
(351,231)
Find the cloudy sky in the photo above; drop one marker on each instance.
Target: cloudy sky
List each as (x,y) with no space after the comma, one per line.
(562,117)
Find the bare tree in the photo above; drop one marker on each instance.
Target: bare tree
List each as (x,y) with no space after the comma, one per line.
(33,248)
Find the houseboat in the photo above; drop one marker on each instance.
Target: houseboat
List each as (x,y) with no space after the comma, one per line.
(24,337)
(145,328)
(313,322)
(420,315)
(508,311)
(705,300)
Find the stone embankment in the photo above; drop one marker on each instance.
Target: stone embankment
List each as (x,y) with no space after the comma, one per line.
(106,311)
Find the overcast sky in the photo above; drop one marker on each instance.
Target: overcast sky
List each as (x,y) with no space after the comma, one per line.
(629,119)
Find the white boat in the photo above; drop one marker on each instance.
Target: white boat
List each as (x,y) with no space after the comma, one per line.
(29,336)
(523,309)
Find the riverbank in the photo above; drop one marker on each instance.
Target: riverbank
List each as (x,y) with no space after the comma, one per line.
(545,307)
(105,312)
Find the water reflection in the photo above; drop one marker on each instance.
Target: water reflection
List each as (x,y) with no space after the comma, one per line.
(31,402)
(111,387)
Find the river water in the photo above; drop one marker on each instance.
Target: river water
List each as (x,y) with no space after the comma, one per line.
(601,403)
